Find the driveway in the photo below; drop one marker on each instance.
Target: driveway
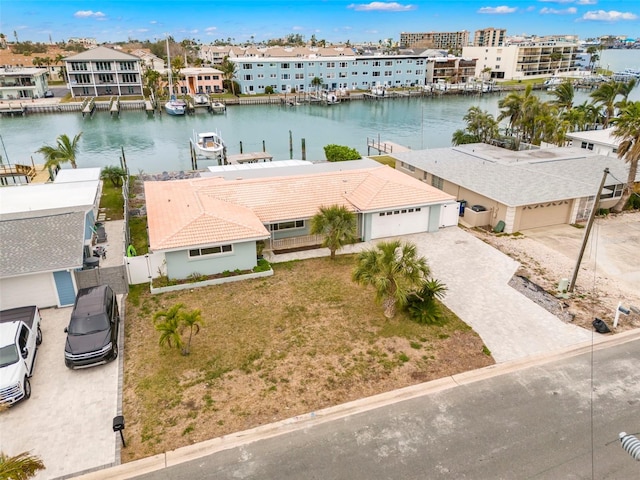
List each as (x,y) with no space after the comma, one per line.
(67,421)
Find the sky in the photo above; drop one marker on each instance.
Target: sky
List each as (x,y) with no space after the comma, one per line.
(332,20)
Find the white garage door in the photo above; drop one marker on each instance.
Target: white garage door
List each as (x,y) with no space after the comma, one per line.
(38,289)
(400,222)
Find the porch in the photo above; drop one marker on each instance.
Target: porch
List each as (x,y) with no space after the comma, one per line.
(294,243)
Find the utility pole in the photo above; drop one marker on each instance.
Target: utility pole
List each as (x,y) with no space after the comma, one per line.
(587,231)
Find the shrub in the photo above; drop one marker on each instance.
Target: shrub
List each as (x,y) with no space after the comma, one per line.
(340,153)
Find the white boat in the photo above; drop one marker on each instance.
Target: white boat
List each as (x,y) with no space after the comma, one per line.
(218,107)
(200,99)
(209,144)
(173,106)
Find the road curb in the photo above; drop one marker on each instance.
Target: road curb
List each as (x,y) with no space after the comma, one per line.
(263,432)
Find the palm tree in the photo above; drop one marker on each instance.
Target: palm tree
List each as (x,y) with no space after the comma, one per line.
(627,129)
(113,174)
(564,94)
(169,327)
(394,269)
(605,95)
(229,70)
(316,82)
(593,56)
(512,107)
(481,124)
(20,467)
(624,89)
(64,152)
(337,224)
(153,80)
(423,306)
(192,321)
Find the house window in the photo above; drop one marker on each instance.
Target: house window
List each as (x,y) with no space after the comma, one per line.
(247,66)
(103,66)
(201,252)
(437,182)
(611,191)
(127,66)
(287,225)
(105,77)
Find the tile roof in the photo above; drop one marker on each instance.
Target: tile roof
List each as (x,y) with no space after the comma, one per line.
(202,211)
(519,178)
(41,244)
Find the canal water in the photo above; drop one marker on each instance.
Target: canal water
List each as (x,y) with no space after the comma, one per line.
(161,142)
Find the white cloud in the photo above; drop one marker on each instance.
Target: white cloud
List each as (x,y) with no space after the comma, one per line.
(553,11)
(557,1)
(610,16)
(142,30)
(381,6)
(153,22)
(210,29)
(498,10)
(586,2)
(88,14)
(297,28)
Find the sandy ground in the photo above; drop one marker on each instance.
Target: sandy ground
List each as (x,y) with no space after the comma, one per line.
(609,272)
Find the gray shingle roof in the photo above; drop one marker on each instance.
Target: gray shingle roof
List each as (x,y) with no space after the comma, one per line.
(520,178)
(102,53)
(41,244)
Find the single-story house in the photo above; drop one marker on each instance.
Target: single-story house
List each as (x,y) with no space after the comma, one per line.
(44,232)
(601,141)
(212,224)
(525,189)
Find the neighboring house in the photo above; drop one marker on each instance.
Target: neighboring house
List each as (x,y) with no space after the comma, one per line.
(536,59)
(525,189)
(601,142)
(102,71)
(22,83)
(44,231)
(149,60)
(210,225)
(194,80)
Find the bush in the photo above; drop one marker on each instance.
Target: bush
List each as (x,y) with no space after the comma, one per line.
(340,153)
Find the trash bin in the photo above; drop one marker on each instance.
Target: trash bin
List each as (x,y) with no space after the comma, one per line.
(463,204)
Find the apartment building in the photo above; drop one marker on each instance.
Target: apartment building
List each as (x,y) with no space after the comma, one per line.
(103,71)
(490,37)
(349,72)
(442,40)
(22,83)
(524,60)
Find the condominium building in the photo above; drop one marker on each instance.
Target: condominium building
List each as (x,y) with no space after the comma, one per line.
(489,37)
(443,40)
(103,71)
(22,83)
(287,74)
(525,60)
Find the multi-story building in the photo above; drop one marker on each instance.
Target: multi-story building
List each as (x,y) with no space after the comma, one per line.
(22,83)
(348,72)
(103,71)
(200,80)
(85,41)
(443,40)
(490,37)
(524,60)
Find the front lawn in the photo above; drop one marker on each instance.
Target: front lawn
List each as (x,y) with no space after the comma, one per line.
(273,348)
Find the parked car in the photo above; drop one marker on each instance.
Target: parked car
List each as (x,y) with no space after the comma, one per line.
(48,94)
(20,336)
(92,334)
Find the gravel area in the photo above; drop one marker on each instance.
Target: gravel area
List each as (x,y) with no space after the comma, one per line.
(596,293)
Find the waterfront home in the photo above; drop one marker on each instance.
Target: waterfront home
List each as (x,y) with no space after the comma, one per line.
(46,231)
(20,83)
(522,189)
(198,80)
(210,225)
(103,71)
(598,141)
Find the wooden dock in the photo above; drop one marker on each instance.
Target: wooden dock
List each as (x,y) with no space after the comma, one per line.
(18,174)
(384,147)
(12,109)
(250,157)
(114,106)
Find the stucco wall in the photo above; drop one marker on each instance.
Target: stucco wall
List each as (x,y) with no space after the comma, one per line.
(243,257)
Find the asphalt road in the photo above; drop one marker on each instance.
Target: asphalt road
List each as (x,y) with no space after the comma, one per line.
(550,421)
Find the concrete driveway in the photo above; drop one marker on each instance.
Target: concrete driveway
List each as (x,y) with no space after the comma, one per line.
(67,421)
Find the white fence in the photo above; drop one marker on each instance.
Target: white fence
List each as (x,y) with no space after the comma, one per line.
(143,268)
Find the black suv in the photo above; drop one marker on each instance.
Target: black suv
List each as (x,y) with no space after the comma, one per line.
(92,334)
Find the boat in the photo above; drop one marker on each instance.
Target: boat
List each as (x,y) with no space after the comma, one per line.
(200,99)
(173,106)
(209,144)
(218,107)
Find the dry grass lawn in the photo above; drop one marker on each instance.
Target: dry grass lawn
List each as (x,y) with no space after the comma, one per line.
(270,349)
